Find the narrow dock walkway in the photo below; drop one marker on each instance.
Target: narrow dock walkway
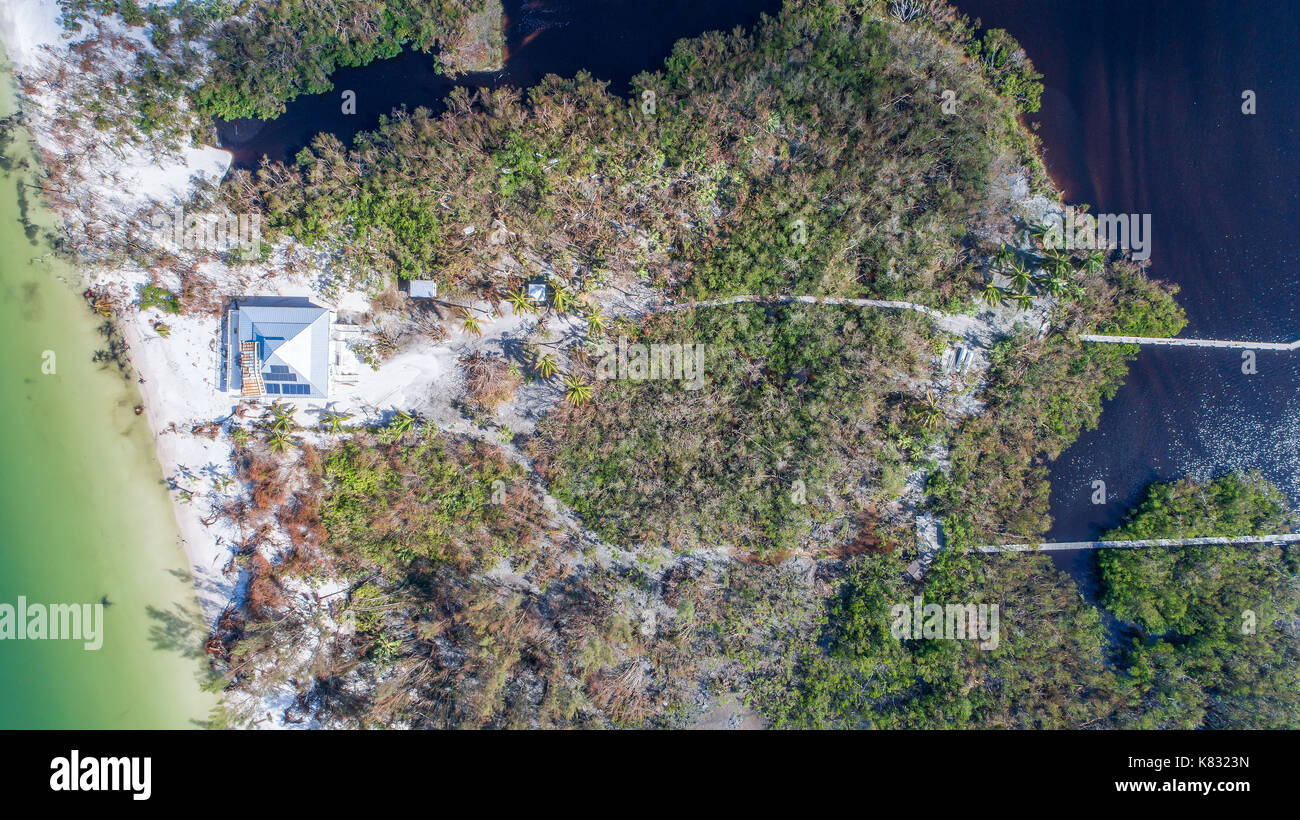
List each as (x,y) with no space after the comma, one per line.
(937,314)
(885,304)
(1283,538)
(1228,343)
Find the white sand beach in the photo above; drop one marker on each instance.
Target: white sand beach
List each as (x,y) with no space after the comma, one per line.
(178,374)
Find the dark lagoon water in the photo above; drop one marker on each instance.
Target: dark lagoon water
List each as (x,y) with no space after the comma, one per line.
(613,40)
(1142,114)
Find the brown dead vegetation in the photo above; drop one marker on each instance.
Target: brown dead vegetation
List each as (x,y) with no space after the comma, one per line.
(489,381)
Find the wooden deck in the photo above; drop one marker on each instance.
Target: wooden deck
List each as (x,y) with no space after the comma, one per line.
(249,373)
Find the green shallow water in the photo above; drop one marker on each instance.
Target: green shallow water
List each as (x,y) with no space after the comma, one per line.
(84,513)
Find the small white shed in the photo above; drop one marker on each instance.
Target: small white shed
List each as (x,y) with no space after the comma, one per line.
(424,289)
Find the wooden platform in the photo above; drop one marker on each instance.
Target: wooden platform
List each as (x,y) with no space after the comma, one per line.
(249,373)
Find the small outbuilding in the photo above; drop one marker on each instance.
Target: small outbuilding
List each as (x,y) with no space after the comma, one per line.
(424,289)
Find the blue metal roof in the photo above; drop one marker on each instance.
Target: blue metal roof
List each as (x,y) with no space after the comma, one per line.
(292,335)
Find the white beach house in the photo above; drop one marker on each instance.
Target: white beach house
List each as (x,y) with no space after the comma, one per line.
(277,347)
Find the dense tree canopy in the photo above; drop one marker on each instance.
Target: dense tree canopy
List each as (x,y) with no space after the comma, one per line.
(279,50)
(1217,642)
(810,156)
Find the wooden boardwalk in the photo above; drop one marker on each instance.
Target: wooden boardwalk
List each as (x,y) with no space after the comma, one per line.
(808,300)
(936,314)
(1283,538)
(1170,342)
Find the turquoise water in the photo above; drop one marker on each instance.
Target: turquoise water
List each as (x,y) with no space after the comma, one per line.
(84,513)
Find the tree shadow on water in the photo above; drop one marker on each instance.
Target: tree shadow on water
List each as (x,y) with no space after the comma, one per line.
(178,630)
(183,631)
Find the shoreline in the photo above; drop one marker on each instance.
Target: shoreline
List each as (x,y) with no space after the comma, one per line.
(202,550)
(86,520)
(176,374)
(27,27)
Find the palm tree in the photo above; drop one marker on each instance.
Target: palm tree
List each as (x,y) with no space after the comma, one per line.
(595,321)
(1059,264)
(281,417)
(930,412)
(1019,278)
(1094,262)
(521,302)
(1054,285)
(1004,256)
(240,436)
(1023,300)
(992,294)
(562,300)
(469,323)
(546,366)
(576,391)
(280,442)
(401,423)
(333,421)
